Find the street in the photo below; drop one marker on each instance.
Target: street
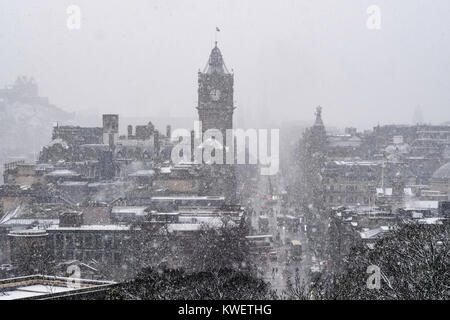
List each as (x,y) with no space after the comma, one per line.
(278,270)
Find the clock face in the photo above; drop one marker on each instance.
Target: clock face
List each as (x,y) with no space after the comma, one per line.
(215,94)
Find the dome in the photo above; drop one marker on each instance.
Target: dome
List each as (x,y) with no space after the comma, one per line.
(443,173)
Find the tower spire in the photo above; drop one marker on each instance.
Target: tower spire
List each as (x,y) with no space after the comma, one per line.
(318,121)
(215,62)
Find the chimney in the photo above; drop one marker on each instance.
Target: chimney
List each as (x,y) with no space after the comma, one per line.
(168,131)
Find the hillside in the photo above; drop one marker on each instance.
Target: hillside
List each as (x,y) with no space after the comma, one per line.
(25,126)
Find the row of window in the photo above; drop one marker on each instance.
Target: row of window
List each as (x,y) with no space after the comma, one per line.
(87,241)
(349,188)
(350,200)
(115,257)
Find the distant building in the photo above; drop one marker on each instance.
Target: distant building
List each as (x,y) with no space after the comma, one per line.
(179,179)
(110,129)
(76,136)
(440,180)
(351,182)
(21,173)
(23,90)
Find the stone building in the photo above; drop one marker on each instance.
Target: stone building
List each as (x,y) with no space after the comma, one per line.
(351,182)
(215,111)
(215,94)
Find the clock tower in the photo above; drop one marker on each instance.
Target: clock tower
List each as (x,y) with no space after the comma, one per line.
(215,94)
(215,111)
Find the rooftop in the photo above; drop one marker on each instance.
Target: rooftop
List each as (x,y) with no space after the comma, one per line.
(215,62)
(63,173)
(443,173)
(129,209)
(42,287)
(142,173)
(374,233)
(93,227)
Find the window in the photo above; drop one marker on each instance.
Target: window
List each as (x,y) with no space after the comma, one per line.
(69,241)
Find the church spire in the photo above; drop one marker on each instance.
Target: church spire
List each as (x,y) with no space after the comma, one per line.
(318,134)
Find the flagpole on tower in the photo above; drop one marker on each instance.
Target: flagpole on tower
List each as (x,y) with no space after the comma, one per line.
(217,31)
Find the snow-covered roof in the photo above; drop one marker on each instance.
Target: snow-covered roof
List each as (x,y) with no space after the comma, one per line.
(99,227)
(142,173)
(434,220)
(174,227)
(213,223)
(26,222)
(356,163)
(385,191)
(189,198)
(38,286)
(136,210)
(374,233)
(73,183)
(63,173)
(166,169)
(411,205)
(28,233)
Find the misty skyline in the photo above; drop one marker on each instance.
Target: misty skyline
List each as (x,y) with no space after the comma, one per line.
(141,58)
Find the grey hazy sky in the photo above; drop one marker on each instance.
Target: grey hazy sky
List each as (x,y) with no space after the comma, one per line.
(141,57)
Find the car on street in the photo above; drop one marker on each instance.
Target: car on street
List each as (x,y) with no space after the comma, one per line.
(273,255)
